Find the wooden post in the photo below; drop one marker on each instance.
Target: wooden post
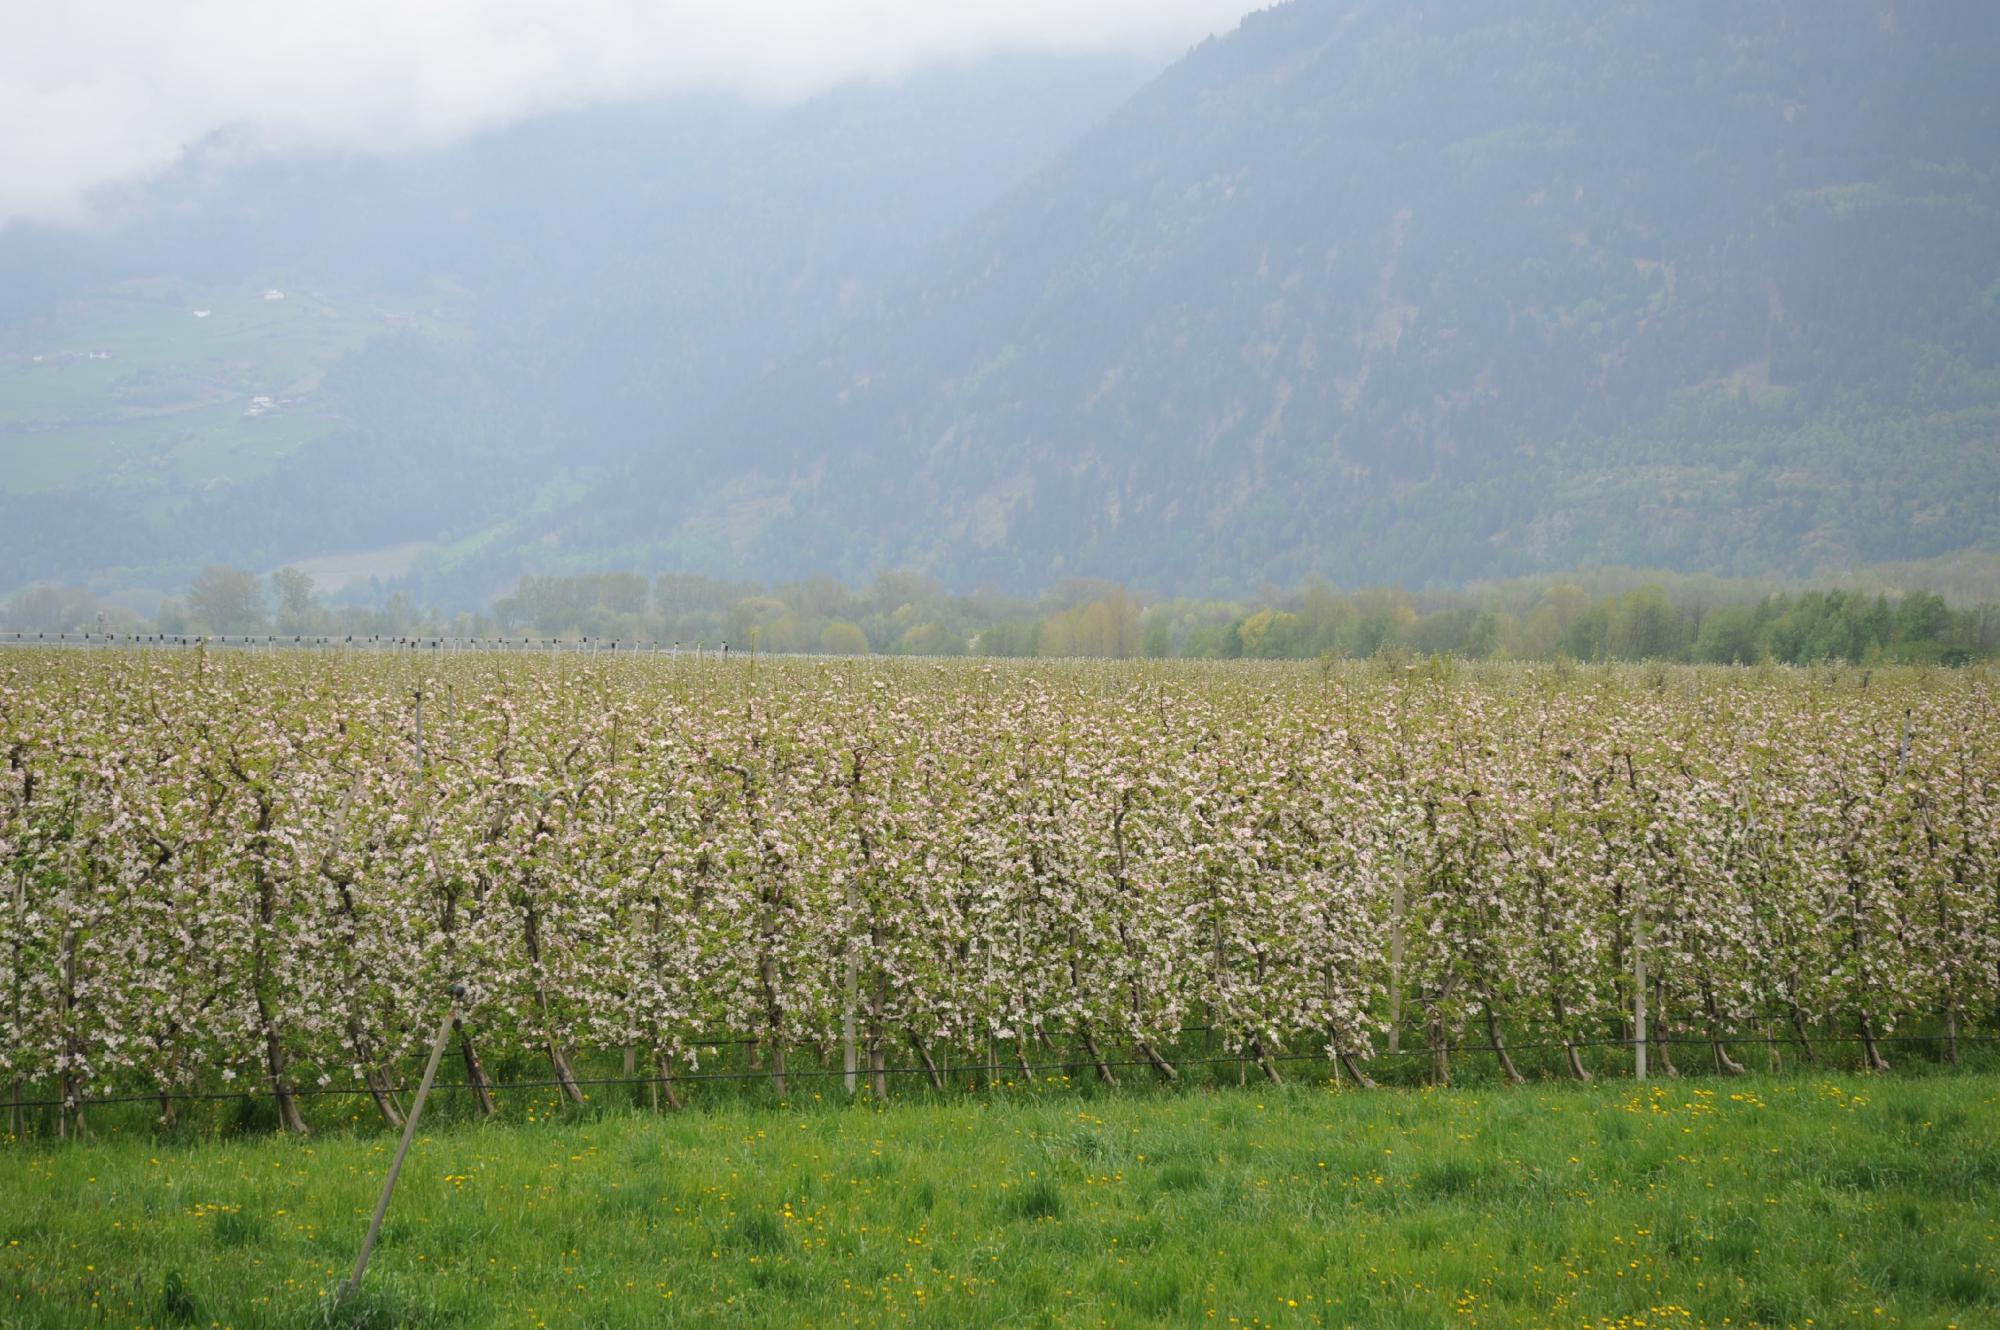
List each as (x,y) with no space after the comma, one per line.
(353,1283)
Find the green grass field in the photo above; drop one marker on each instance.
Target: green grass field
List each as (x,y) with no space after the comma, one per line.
(1799,1200)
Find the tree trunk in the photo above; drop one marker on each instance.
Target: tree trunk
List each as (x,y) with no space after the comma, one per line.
(1507,1068)
(1799,1031)
(662,1084)
(1160,1065)
(1662,1049)
(878,1070)
(778,1082)
(774,1026)
(384,1096)
(558,1063)
(380,1089)
(930,1066)
(1876,1062)
(1264,1063)
(1571,1056)
(274,1047)
(1097,1058)
(475,1073)
(878,1040)
(274,1057)
(565,1078)
(1724,1064)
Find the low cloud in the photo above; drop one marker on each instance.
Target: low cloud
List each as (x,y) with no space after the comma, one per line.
(100,92)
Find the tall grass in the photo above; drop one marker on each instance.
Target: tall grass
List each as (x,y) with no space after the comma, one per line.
(1808,1200)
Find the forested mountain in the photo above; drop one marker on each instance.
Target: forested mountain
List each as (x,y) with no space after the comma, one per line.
(264,358)
(1406,293)
(1363,290)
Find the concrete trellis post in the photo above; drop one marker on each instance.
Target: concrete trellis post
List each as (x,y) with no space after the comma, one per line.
(1396,909)
(849,1063)
(1639,989)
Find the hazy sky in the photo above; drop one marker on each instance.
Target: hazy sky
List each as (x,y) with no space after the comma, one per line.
(100,91)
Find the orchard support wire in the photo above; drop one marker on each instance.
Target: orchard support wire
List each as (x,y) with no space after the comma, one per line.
(1074,1065)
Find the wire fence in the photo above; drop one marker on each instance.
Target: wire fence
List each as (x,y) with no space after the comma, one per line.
(1073,1065)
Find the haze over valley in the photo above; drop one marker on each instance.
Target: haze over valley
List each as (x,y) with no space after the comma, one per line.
(1347,292)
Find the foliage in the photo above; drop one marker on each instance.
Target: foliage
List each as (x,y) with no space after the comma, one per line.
(227,600)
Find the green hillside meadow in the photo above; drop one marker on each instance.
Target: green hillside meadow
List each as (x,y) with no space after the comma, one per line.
(172,384)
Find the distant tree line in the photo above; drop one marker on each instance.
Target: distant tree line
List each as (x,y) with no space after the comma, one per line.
(905,613)
(1596,616)
(231,601)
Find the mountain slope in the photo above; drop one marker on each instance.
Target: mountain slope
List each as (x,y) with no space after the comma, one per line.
(469,332)
(1417,295)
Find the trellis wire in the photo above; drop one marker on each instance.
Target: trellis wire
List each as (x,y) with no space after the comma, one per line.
(1081,1064)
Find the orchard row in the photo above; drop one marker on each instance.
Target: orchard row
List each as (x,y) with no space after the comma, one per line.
(230,871)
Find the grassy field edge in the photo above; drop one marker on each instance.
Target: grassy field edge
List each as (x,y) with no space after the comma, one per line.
(1790,1200)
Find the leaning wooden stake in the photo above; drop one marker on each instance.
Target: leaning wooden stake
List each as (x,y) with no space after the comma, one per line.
(353,1284)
